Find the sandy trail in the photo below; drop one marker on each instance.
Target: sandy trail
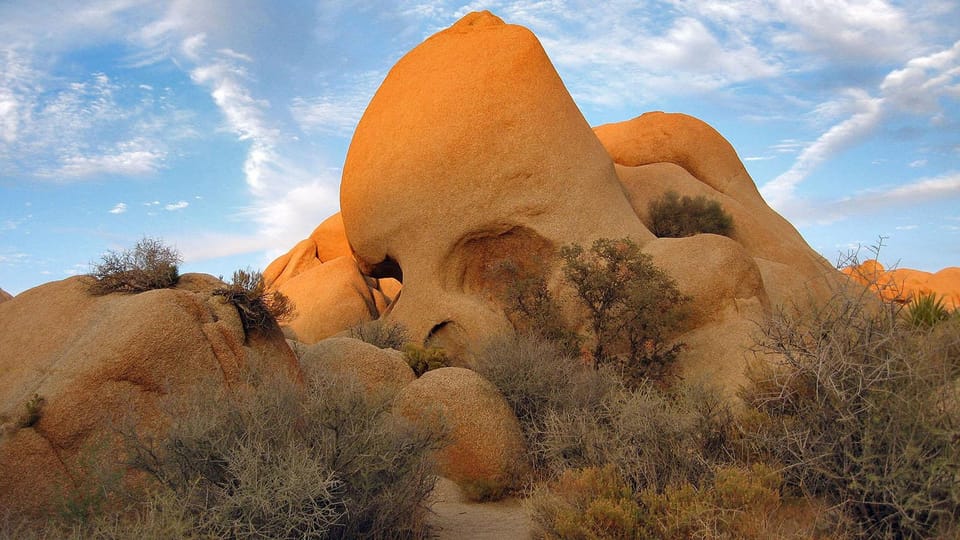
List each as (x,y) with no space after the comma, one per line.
(453,517)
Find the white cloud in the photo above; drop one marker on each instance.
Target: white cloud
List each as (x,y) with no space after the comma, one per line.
(781,190)
(923,81)
(912,89)
(907,227)
(327,115)
(130,163)
(119,208)
(81,129)
(918,163)
(176,206)
(845,30)
(923,190)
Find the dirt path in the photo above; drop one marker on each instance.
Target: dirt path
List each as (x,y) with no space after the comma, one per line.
(454,517)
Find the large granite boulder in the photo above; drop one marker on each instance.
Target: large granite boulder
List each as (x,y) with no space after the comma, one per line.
(77,366)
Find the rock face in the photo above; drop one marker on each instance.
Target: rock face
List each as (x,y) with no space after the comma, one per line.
(94,361)
(659,152)
(472,154)
(486,449)
(322,279)
(904,284)
(4,295)
(376,369)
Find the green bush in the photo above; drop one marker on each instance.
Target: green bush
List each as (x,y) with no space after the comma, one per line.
(633,306)
(674,217)
(149,265)
(927,310)
(532,308)
(861,408)
(273,461)
(423,359)
(32,412)
(381,333)
(260,309)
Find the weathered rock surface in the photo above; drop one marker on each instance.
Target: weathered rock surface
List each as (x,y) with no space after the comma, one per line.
(472,150)
(96,360)
(659,152)
(486,450)
(329,298)
(4,295)
(321,278)
(375,368)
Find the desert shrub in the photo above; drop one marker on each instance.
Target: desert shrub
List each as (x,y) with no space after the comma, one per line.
(737,502)
(537,379)
(423,359)
(927,310)
(260,309)
(674,217)
(573,416)
(532,308)
(272,461)
(149,265)
(861,409)
(633,306)
(649,436)
(381,333)
(593,502)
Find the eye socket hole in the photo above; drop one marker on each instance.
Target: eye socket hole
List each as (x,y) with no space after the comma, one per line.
(436,328)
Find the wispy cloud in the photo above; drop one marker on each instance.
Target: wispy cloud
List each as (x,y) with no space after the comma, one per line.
(938,188)
(80,129)
(176,206)
(119,208)
(914,89)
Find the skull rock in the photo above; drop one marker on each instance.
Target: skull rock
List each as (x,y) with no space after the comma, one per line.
(472,152)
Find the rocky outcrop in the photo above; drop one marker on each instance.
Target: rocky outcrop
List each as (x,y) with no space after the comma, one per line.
(4,295)
(329,298)
(321,278)
(659,152)
(904,284)
(472,155)
(76,366)
(485,452)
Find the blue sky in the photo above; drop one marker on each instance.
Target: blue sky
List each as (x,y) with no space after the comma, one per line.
(221,125)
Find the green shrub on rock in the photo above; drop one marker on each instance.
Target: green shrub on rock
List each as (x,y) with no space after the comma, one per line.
(674,217)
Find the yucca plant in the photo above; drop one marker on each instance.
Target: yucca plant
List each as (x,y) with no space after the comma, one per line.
(926,310)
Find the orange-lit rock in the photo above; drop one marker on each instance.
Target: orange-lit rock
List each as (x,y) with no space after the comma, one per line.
(472,149)
(472,153)
(96,361)
(331,297)
(4,295)
(320,276)
(485,452)
(904,284)
(659,152)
